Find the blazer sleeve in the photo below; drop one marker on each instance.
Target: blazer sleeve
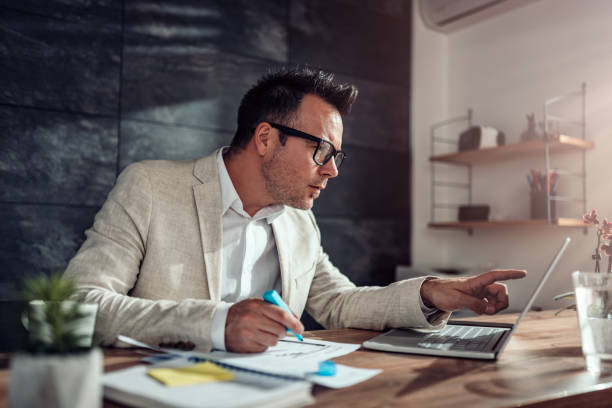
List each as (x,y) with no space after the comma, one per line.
(106,268)
(334,301)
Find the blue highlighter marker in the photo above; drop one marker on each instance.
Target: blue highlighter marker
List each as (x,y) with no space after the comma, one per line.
(271,296)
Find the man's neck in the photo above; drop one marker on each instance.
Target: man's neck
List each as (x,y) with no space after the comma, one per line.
(245,174)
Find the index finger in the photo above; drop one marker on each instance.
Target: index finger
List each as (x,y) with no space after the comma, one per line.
(495,275)
(278,315)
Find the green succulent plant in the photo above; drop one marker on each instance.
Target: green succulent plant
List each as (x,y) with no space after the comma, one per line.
(52,316)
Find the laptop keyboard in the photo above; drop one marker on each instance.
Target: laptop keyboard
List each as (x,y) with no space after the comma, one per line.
(463,338)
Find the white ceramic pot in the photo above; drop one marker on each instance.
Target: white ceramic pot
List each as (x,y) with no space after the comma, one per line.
(54,381)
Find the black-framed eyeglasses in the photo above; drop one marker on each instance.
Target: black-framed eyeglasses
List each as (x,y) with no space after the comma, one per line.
(324,151)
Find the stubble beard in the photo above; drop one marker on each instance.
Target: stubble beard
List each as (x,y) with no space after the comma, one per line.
(277,178)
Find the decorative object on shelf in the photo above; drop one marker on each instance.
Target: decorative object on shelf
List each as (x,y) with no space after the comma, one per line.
(474,212)
(60,368)
(539,198)
(478,137)
(553,132)
(531,133)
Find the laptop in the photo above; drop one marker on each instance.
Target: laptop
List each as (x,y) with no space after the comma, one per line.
(478,340)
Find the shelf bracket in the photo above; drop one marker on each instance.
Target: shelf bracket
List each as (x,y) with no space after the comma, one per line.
(434,140)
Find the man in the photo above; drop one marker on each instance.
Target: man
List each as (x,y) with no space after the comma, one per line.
(182,251)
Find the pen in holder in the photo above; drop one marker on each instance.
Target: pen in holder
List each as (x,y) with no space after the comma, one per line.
(538,184)
(539,206)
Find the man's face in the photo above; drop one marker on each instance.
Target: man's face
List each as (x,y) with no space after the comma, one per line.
(291,176)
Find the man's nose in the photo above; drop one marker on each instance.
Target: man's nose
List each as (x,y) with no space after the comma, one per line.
(329,169)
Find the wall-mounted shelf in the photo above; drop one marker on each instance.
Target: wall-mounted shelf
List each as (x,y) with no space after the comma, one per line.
(550,141)
(559,222)
(494,154)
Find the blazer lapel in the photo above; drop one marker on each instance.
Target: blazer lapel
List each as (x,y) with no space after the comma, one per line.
(208,203)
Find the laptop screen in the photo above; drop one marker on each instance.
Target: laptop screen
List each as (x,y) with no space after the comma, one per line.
(536,291)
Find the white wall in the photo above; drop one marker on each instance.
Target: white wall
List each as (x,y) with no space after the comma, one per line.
(430,91)
(504,68)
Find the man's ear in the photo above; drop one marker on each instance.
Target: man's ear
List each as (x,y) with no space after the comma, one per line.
(262,137)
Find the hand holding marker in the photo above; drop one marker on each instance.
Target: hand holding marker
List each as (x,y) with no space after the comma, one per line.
(326,368)
(271,296)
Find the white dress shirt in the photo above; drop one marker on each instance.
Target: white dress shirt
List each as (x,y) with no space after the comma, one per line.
(249,265)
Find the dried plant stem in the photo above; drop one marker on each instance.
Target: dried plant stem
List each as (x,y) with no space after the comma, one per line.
(597,256)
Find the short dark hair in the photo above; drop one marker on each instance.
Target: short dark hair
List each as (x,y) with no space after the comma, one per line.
(277,96)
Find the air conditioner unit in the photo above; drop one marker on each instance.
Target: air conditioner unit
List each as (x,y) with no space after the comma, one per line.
(451,15)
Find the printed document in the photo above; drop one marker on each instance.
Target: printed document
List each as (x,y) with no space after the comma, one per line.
(301,358)
(290,356)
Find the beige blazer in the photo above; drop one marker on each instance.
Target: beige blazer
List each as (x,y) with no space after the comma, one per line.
(152,261)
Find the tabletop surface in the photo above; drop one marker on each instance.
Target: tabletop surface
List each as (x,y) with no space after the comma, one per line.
(542,366)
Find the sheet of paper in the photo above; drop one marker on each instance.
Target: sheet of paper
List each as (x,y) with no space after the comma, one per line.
(290,356)
(345,376)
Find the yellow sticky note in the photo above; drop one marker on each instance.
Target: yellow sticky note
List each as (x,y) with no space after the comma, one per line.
(191,374)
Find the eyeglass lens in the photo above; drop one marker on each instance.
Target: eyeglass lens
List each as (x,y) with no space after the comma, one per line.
(326,152)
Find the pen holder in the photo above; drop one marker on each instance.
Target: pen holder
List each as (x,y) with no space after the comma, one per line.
(539,206)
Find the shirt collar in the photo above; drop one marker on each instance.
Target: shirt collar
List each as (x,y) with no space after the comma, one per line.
(230,198)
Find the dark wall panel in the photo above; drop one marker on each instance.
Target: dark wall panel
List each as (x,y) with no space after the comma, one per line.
(101,12)
(197,89)
(148,141)
(371,184)
(190,62)
(58,64)
(399,9)
(255,28)
(39,239)
(350,39)
(380,116)
(50,157)
(366,250)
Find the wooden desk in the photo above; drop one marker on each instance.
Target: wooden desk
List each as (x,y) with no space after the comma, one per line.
(542,366)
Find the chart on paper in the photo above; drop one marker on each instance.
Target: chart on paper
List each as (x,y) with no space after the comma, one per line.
(290,349)
(290,356)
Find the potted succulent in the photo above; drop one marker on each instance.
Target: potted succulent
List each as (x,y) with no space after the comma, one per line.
(59,367)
